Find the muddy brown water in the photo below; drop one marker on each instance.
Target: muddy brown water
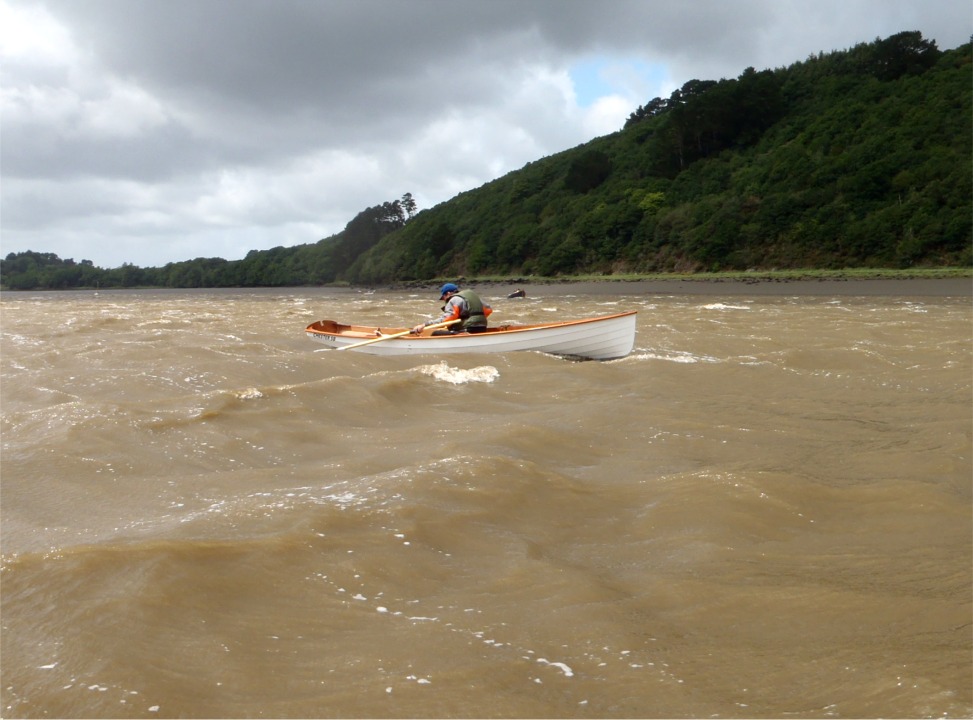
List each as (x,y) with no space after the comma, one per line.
(763,511)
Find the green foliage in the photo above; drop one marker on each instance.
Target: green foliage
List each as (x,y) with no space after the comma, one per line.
(856,158)
(853,159)
(588,171)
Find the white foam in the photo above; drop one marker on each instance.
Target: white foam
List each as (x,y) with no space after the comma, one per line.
(568,672)
(456,376)
(724,306)
(249,394)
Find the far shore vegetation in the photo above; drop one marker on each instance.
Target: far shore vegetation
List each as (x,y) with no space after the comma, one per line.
(750,276)
(796,274)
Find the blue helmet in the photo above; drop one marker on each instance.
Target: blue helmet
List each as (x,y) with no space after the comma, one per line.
(448,287)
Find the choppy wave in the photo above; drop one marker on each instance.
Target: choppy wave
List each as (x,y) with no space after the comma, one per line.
(726,306)
(202,517)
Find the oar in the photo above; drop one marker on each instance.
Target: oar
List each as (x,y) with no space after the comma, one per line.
(395,335)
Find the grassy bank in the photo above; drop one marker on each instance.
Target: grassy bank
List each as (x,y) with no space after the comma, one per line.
(746,276)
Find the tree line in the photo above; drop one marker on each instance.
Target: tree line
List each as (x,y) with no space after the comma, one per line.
(853,158)
(320,263)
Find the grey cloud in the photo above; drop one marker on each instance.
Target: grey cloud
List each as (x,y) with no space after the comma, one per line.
(342,104)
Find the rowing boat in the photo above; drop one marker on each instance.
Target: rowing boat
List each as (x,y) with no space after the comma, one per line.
(598,338)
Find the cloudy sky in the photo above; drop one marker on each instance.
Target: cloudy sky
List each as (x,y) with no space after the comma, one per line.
(154,131)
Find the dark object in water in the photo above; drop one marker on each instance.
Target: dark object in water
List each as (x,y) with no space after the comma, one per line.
(516,294)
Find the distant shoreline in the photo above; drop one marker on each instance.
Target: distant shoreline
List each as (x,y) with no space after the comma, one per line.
(716,286)
(952,283)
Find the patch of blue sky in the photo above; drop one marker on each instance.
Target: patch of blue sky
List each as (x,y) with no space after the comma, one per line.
(633,78)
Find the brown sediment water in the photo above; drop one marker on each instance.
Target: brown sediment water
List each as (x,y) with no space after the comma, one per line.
(763,511)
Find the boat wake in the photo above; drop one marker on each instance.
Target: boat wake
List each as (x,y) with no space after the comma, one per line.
(675,356)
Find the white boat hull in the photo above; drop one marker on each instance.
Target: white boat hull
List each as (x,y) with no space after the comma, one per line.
(600,338)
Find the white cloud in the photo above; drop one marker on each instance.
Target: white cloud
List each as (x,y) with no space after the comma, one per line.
(607,115)
(30,34)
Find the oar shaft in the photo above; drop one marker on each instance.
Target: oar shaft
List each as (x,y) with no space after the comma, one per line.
(393,335)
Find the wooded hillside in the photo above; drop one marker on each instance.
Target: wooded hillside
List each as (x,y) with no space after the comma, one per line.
(856,158)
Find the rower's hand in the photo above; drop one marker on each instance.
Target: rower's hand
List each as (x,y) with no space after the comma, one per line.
(417,330)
